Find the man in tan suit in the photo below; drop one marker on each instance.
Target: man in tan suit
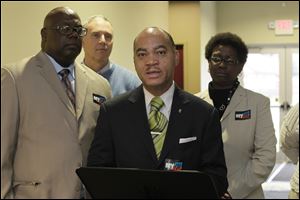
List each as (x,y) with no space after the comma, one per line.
(44,136)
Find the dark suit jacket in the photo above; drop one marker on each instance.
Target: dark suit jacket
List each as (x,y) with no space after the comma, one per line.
(123,138)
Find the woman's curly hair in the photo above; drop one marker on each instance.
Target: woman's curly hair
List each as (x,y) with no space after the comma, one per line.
(227,39)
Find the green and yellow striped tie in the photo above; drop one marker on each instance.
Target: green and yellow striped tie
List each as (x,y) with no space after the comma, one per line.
(158,124)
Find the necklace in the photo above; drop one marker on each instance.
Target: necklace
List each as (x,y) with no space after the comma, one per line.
(224,105)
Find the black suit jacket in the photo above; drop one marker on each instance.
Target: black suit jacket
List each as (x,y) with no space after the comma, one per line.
(123,138)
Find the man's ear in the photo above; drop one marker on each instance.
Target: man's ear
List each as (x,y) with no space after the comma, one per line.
(43,34)
(44,38)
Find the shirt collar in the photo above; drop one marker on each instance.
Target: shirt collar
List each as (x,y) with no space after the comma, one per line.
(105,68)
(167,97)
(58,67)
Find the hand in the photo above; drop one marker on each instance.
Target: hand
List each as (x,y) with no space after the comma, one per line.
(226,195)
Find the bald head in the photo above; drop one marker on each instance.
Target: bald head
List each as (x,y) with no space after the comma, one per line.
(155,31)
(64,48)
(53,15)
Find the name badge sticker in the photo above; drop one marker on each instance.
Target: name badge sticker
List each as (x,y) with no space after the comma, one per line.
(173,165)
(243,115)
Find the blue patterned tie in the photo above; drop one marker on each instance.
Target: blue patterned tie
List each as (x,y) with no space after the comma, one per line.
(64,75)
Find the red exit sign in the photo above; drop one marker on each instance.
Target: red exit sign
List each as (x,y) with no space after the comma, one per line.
(284,27)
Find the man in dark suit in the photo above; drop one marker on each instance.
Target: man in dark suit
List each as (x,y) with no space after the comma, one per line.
(192,136)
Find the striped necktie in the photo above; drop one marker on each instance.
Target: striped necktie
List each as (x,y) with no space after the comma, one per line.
(64,75)
(158,124)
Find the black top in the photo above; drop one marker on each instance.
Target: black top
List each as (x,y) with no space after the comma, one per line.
(221,97)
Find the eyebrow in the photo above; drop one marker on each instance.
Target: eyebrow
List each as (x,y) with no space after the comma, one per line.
(155,48)
(221,56)
(160,46)
(101,31)
(140,49)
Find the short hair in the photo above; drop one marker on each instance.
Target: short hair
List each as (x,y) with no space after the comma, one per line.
(227,39)
(92,18)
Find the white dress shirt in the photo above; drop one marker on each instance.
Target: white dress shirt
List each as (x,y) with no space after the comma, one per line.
(167,98)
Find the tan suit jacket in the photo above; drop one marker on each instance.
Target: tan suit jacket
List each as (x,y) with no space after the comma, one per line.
(249,144)
(43,138)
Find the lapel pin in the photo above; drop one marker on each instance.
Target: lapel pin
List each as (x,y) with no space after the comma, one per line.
(179,111)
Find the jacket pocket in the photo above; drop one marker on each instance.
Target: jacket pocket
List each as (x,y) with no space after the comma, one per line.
(26,189)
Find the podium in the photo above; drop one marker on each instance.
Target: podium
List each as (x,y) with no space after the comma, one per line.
(129,183)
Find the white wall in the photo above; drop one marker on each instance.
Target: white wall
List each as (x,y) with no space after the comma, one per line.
(208,28)
(21,23)
(250,19)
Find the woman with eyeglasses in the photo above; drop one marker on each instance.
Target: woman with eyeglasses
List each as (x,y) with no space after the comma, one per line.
(247,128)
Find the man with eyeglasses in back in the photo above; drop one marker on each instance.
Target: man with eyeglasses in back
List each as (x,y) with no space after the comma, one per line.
(247,129)
(49,109)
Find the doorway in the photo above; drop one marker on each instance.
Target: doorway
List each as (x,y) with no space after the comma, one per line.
(274,72)
(178,74)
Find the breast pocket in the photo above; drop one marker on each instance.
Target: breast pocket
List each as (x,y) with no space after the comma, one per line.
(187,146)
(26,189)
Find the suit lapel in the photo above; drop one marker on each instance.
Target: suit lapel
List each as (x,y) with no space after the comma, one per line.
(50,75)
(81,78)
(235,101)
(176,123)
(141,127)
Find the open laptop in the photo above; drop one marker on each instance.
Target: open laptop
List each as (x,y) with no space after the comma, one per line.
(120,183)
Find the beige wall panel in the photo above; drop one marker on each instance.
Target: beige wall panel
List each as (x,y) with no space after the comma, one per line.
(250,20)
(21,23)
(184,23)
(208,28)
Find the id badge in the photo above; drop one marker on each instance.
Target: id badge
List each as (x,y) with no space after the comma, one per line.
(173,165)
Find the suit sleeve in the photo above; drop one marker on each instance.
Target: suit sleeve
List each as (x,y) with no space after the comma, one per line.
(9,130)
(261,163)
(101,153)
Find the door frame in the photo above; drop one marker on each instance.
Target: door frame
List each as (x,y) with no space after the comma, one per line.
(285,92)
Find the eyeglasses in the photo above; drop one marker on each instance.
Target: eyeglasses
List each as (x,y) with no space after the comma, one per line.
(228,61)
(67,30)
